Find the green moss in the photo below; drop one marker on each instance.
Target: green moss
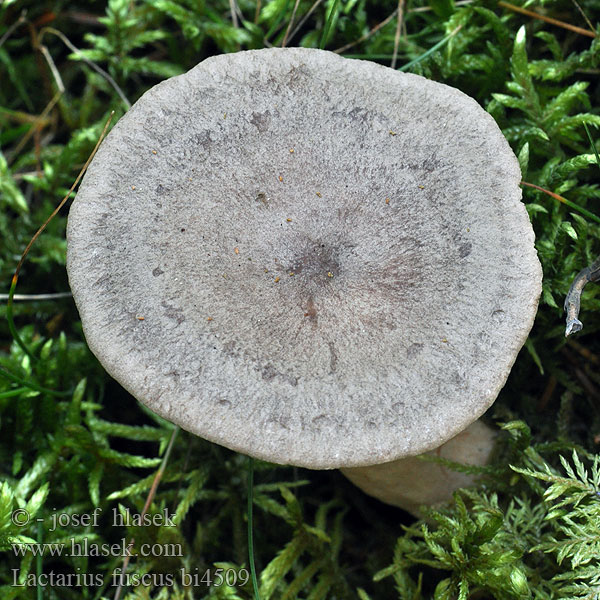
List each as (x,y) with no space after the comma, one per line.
(530,529)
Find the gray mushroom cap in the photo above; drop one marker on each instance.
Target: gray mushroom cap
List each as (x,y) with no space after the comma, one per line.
(312,260)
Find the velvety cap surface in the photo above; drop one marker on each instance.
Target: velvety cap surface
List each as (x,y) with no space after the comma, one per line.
(309,259)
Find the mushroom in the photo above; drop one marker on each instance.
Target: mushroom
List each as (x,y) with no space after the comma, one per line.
(312,260)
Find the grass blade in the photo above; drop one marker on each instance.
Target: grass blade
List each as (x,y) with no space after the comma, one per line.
(250,528)
(328,23)
(589,135)
(583,211)
(431,50)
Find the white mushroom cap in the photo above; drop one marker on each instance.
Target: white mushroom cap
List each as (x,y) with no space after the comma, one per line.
(309,259)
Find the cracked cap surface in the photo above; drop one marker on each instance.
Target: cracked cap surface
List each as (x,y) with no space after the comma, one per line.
(309,259)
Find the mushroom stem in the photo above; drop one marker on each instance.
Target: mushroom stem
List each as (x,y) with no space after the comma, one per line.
(412,482)
(573,298)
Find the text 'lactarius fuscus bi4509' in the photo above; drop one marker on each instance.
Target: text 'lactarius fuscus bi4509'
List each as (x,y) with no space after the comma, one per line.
(312,260)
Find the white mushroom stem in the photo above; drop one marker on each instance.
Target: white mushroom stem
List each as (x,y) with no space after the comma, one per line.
(412,482)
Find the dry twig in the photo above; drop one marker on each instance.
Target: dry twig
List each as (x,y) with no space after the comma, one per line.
(550,20)
(573,298)
(287,31)
(88,62)
(367,35)
(400,11)
(304,19)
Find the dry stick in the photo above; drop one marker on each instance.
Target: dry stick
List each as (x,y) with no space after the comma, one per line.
(38,121)
(573,298)
(88,62)
(61,90)
(37,148)
(22,117)
(10,30)
(37,297)
(234,17)
(15,278)
(585,352)
(588,384)
(583,211)
(53,69)
(550,20)
(585,17)
(305,18)
(287,31)
(591,273)
(366,35)
(26,174)
(257,12)
(400,11)
(149,498)
(37,41)
(383,23)
(55,211)
(548,391)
